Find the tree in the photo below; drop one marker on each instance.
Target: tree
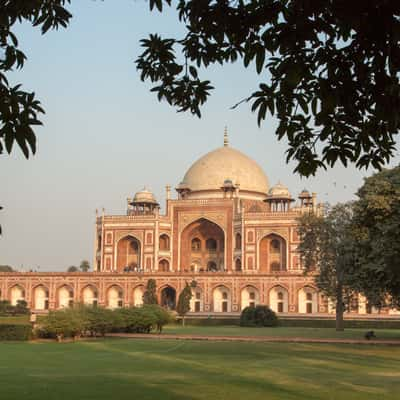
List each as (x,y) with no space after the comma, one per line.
(183,306)
(19,109)
(328,244)
(330,71)
(377,218)
(72,268)
(150,296)
(6,268)
(85,266)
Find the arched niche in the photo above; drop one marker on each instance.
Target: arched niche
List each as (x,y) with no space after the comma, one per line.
(222,299)
(272,251)
(168,297)
(138,296)
(197,300)
(249,297)
(164,242)
(279,299)
(128,253)
(308,300)
(163,265)
(40,298)
(65,296)
(90,295)
(115,297)
(17,293)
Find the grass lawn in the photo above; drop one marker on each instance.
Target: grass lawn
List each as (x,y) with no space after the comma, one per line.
(324,333)
(187,370)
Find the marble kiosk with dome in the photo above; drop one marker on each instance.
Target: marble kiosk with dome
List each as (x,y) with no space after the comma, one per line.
(227,229)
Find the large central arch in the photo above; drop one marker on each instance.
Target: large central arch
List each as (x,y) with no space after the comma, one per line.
(202,247)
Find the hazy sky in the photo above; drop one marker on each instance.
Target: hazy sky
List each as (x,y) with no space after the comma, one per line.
(105,135)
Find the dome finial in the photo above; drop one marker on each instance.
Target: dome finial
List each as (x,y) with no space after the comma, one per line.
(226,140)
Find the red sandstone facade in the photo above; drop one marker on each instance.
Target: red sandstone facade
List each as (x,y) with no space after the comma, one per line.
(227,231)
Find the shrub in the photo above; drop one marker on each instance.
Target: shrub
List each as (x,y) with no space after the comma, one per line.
(15,331)
(163,317)
(259,315)
(82,320)
(63,323)
(6,309)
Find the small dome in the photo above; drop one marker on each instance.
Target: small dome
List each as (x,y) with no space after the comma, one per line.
(279,190)
(305,194)
(228,183)
(144,196)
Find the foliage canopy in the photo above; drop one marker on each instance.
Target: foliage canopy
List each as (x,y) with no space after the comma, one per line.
(377,220)
(329,71)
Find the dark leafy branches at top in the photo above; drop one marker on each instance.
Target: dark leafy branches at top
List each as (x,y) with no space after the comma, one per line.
(330,71)
(19,109)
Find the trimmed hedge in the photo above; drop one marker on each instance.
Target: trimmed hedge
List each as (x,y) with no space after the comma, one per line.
(15,332)
(300,322)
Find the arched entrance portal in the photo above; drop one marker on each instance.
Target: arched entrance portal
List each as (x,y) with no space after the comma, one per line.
(128,254)
(202,246)
(168,298)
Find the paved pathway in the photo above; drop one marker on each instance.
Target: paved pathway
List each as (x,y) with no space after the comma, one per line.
(277,339)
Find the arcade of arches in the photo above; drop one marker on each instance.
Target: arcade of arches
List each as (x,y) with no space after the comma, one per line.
(206,299)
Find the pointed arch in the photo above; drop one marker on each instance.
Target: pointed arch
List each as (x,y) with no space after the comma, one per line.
(40,295)
(17,293)
(163,265)
(202,240)
(307,300)
(222,299)
(128,253)
(164,242)
(90,295)
(65,296)
(279,299)
(272,250)
(249,296)
(138,292)
(115,296)
(197,300)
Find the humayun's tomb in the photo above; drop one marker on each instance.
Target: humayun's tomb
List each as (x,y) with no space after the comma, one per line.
(228,230)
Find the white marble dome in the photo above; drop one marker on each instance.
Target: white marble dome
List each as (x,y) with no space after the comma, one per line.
(211,171)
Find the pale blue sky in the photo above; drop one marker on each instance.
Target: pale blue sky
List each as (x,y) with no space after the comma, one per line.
(105,135)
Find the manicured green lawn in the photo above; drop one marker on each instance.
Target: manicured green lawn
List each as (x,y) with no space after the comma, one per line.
(325,333)
(191,370)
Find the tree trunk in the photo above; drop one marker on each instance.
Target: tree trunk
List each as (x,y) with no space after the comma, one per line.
(339,308)
(183,320)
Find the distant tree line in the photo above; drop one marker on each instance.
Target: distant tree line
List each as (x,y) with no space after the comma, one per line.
(83,267)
